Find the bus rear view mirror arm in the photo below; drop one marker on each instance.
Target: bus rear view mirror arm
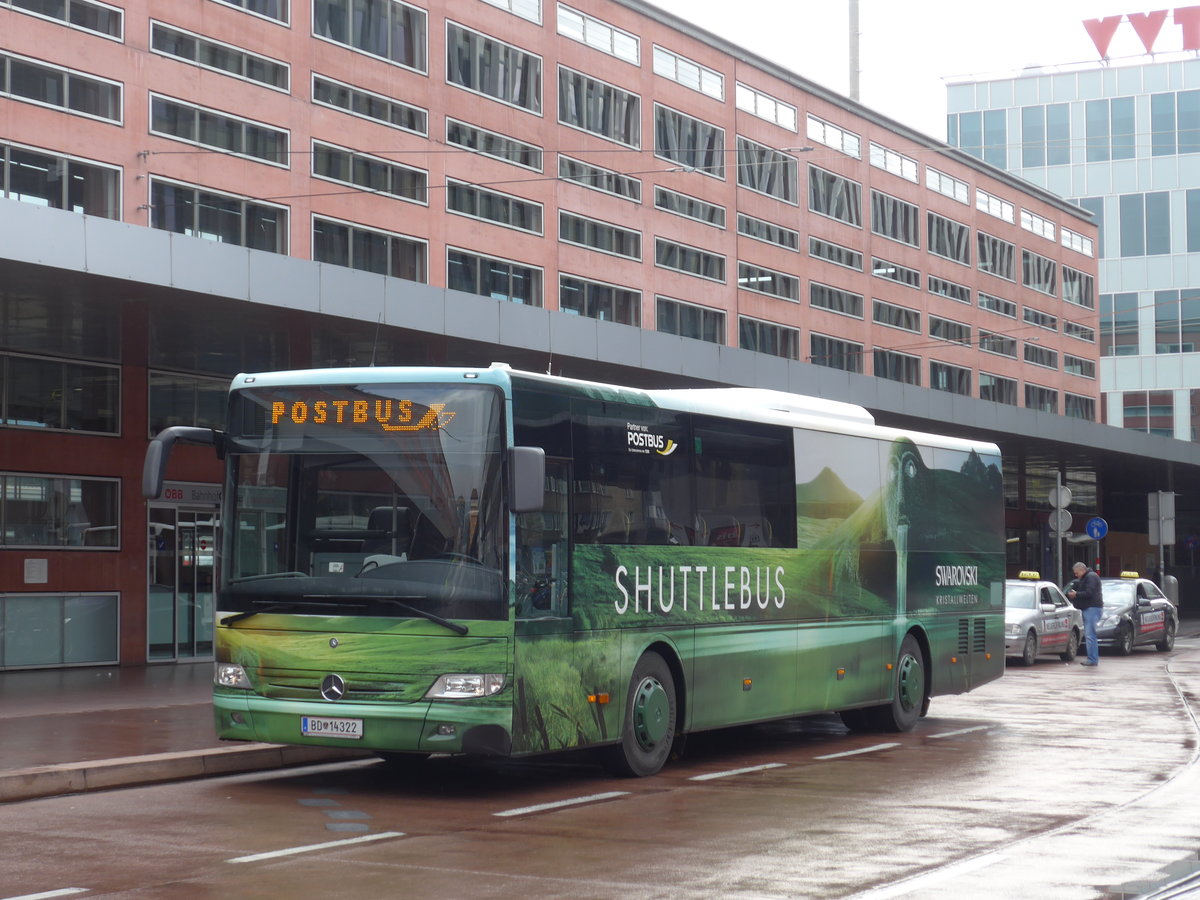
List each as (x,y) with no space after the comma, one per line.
(159,452)
(527,478)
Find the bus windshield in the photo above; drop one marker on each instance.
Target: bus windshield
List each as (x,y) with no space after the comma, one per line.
(373,500)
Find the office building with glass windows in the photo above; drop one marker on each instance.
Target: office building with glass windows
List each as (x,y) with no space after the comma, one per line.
(1123,141)
(194,188)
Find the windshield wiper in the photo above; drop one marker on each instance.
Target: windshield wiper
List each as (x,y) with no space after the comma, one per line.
(393,601)
(270,607)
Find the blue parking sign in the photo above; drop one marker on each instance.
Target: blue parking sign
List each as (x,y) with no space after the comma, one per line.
(1096,528)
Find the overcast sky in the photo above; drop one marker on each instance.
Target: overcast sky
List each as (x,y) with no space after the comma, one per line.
(908,47)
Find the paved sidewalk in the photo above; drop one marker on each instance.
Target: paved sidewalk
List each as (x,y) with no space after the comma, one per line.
(69,730)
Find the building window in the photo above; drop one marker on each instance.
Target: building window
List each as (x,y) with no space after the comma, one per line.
(1118,324)
(689,207)
(183,209)
(1039,273)
(500,279)
(997,389)
(599,108)
(1175,123)
(217,340)
(822,296)
(768,281)
(998,305)
(768,232)
(1076,407)
(892,271)
(984,135)
(947,185)
(952,379)
(1177,321)
(994,206)
(493,144)
(690,142)
(526,9)
(1042,398)
(689,260)
(596,235)
(1037,355)
(176,399)
(1038,225)
(1074,241)
(493,68)
(765,106)
(1145,224)
(60,325)
(268,9)
(959,293)
(218,57)
(86,15)
(1095,205)
(690,321)
(599,179)
(949,330)
(366,105)
(690,74)
(596,300)
(835,253)
(502,209)
(893,316)
(1079,332)
(1040,319)
(381,252)
(57,395)
(58,512)
(1109,129)
(64,89)
(1000,344)
(949,239)
(1077,365)
(834,196)
(835,354)
(379,176)
(896,219)
(385,28)
(60,629)
(1078,288)
(1046,135)
(766,171)
(598,34)
(831,135)
(60,182)
(766,337)
(896,366)
(209,128)
(996,257)
(892,161)
(1150,411)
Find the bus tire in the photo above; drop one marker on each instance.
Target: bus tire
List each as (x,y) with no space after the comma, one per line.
(910,697)
(649,729)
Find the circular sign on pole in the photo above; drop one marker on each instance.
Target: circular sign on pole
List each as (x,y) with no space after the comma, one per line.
(1060,496)
(1096,528)
(1060,521)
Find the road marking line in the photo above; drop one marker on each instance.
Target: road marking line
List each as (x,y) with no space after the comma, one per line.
(711,775)
(328,845)
(924,881)
(857,752)
(947,734)
(559,804)
(45,895)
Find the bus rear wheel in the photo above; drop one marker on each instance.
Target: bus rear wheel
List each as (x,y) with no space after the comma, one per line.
(650,710)
(910,698)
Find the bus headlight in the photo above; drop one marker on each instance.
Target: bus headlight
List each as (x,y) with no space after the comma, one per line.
(458,687)
(231,675)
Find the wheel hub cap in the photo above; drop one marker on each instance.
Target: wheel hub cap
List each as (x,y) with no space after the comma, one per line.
(651,713)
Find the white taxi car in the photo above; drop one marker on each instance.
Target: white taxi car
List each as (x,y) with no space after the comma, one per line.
(1039,619)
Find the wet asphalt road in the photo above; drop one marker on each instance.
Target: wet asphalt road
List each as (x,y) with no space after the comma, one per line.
(1055,782)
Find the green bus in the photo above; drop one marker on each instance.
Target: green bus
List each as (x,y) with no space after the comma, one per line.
(420,561)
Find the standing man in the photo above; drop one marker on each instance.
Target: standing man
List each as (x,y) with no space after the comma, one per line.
(1087,594)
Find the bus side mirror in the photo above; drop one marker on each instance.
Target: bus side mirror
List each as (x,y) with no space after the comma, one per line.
(159,451)
(526,479)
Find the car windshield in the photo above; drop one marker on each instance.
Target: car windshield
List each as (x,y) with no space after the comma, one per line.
(1117,593)
(1020,596)
(377,500)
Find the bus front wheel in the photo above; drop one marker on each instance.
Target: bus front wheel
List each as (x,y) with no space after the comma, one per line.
(650,710)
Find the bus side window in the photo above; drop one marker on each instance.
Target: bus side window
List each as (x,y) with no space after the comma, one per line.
(542,549)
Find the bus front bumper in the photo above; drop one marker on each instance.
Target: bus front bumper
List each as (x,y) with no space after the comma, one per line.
(426,727)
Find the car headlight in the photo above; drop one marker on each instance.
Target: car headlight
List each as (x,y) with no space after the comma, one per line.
(1109,621)
(231,675)
(1012,630)
(458,687)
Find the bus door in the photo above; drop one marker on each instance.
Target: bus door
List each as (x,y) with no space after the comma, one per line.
(181,562)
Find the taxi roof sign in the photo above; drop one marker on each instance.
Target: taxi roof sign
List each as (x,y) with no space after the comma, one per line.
(1129,573)
(1030,575)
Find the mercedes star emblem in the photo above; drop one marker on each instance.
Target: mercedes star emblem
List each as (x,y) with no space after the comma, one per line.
(333,687)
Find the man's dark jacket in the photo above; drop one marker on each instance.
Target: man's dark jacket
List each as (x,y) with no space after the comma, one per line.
(1088,591)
